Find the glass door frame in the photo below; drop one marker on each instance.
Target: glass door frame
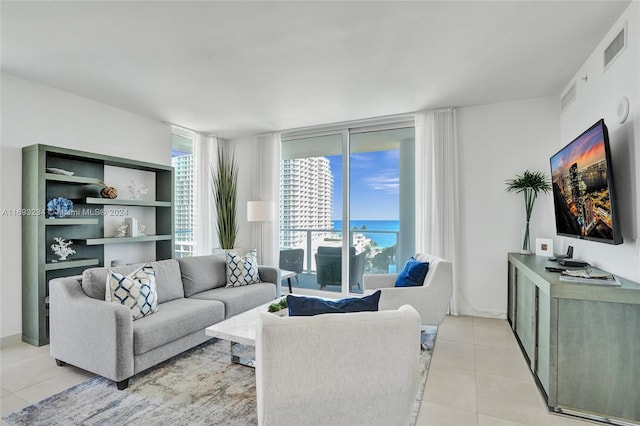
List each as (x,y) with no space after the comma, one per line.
(345,130)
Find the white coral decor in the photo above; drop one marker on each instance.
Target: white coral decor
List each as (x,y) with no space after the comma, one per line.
(62,249)
(137,189)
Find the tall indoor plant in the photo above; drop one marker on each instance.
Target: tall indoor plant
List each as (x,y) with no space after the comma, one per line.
(531,184)
(225,184)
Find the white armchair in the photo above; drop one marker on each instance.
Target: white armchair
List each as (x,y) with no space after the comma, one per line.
(338,369)
(431,300)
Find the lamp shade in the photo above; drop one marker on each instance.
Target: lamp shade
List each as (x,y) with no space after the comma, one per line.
(260,211)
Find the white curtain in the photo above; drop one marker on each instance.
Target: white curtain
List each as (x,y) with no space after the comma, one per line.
(437,223)
(205,235)
(267,188)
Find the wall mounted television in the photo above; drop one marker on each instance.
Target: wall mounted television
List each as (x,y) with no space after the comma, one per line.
(583,190)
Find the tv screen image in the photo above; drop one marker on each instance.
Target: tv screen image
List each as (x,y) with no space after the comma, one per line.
(583,193)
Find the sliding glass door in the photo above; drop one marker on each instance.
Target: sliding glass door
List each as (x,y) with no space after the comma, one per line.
(346,205)
(381,201)
(310,197)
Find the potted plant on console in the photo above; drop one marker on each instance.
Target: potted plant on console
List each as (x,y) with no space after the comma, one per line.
(531,184)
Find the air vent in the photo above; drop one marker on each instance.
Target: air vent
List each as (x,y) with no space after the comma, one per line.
(568,97)
(615,48)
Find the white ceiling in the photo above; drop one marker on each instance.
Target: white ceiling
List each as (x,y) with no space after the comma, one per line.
(240,68)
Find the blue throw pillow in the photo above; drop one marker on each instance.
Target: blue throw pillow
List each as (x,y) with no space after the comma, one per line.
(302,306)
(413,273)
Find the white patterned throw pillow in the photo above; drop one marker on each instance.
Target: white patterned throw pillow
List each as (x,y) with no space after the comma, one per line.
(242,270)
(137,291)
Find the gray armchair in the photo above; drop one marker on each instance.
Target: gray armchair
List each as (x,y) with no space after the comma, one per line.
(329,266)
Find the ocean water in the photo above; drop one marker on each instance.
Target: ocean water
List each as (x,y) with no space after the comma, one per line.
(384,239)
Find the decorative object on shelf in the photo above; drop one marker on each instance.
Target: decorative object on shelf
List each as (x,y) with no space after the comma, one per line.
(531,184)
(544,247)
(122,230)
(224,181)
(107,191)
(62,248)
(141,230)
(57,171)
(137,189)
(133,229)
(59,207)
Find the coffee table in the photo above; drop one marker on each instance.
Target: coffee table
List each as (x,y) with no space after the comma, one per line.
(239,330)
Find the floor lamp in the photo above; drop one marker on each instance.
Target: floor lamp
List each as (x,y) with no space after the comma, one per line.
(260,211)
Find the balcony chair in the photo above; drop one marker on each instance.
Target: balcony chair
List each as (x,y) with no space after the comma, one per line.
(329,266)
(292,260)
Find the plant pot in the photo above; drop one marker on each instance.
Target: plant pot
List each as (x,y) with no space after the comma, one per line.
(240,251)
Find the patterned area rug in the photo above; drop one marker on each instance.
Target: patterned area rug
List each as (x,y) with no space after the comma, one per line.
(198,387)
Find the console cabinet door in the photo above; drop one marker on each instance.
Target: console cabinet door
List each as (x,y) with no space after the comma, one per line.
(543,333)
(598,357)
(525,315)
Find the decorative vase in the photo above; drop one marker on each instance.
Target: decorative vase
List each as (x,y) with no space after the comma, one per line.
(526,239)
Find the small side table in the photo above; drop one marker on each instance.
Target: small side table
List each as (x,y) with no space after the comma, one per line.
(288,275)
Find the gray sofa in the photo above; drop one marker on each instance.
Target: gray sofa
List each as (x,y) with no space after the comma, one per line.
(101,337)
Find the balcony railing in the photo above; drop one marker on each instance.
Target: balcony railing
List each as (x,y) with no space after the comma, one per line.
(310,244)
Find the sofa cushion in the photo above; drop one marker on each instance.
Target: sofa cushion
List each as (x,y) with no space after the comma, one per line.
(242,270)
(168,282)
(94,280)
(136,291)
(240,299)
(175,319)
(413,273)
(309,306)
(201,273)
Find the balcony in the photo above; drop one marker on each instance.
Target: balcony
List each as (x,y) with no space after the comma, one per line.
(376,259)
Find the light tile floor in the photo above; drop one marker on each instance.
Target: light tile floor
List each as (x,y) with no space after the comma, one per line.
(477,376)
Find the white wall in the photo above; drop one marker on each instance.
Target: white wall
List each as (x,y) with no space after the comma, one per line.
(32,113)
(596,98)
(496,142)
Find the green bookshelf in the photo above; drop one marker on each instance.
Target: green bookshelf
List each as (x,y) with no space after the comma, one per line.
(87,232)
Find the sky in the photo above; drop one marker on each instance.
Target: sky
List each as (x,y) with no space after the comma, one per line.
(375,181)
(585,150)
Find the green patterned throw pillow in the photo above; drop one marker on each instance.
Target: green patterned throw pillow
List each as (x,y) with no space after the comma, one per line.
(137,291)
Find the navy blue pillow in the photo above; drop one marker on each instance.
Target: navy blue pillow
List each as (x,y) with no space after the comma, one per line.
(308,306)
(413,273)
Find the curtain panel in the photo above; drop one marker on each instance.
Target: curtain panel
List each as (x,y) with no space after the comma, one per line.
(205,235)
(267,188)
(437,219)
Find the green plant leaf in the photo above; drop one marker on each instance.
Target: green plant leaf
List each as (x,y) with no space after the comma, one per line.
(224,181)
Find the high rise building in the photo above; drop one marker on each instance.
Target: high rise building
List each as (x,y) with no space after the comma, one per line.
(182,159)
(576,193)
(306,195)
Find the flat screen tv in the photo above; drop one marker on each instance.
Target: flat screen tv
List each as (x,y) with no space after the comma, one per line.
(583,192)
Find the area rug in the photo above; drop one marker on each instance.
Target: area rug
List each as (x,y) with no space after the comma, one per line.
(198,387)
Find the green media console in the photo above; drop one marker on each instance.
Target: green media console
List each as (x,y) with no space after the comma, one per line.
(581,340)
